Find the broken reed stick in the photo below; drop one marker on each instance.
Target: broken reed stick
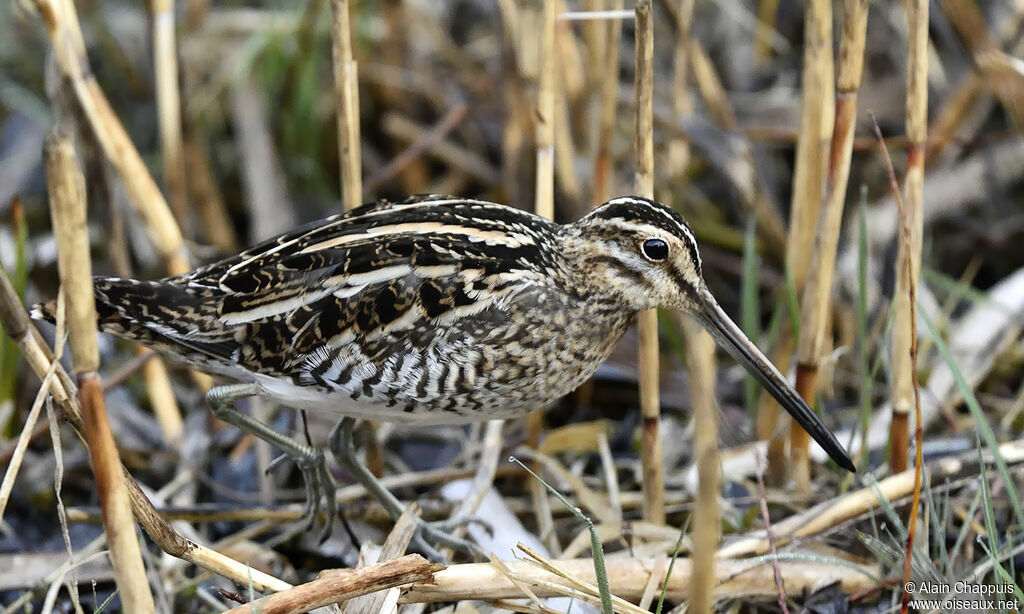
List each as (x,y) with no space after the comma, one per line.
(346,89)
(909,247)
(343,585)
(66,187)
(647,360)
(817,117)
(817,294)
(700,358)
(628,577)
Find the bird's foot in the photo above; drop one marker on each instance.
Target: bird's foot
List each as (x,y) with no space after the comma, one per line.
(320,488)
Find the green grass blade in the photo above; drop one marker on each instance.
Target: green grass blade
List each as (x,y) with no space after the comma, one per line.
(596,550)
(981,423)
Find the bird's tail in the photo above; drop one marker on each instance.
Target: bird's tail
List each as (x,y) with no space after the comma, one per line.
(162,315)
(129,308)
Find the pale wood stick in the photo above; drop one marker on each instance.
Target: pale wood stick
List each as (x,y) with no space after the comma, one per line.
(394,546)
(647,362)
(346,88)
(628,577)
(66,187)
(828,514)
(343,585)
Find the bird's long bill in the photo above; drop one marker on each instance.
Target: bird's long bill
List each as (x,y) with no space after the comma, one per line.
(730,337)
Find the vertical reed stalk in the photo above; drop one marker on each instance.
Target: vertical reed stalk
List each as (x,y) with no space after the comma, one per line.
(346,89)
(544,128)
(603,177)
(66,186)
(812,154)
(61,22)
(654,481)
(814,309)
(165,68)
(903,331)
(700,361)
(544,206)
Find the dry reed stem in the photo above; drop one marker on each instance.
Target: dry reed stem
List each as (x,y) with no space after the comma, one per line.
(909,247)
(346,89)
(604,177)
(700,357)
(544,116)
(919,431)
(647,361)
(627,578)
(165,69)
(61,22)
(66,187)
(911,226)
(817,117)
(817,292)
(343,585)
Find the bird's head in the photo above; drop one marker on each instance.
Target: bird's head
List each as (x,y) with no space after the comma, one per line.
(639,253)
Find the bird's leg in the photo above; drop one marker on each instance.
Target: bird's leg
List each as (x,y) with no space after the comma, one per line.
(340,442)
(310,460)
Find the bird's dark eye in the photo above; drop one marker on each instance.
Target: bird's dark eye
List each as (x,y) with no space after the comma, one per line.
(654,249)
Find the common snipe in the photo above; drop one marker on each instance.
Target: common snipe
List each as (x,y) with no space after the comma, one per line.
(434,310)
